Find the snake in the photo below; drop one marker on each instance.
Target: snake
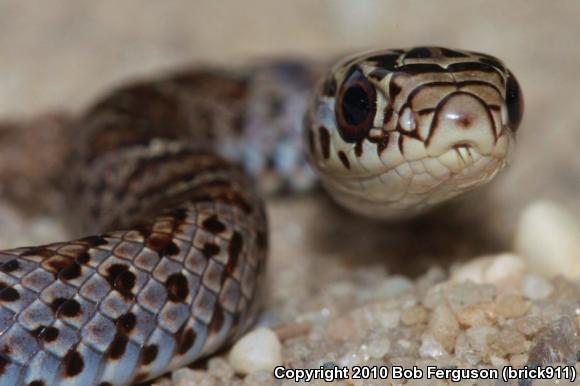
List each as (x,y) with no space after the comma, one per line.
(164,185)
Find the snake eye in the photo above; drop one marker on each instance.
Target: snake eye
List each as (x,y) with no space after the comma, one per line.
(355,107)
(514,101)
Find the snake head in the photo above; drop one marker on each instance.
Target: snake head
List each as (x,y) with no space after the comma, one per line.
(393,133)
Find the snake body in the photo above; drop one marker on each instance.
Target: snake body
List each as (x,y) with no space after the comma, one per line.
(177,273)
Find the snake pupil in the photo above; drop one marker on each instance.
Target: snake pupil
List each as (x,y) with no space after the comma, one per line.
(355,107)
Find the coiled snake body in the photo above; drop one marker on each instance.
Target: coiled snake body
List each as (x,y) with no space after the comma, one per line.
(178,274)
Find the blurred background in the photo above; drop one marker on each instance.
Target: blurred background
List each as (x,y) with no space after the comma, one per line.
(61,54)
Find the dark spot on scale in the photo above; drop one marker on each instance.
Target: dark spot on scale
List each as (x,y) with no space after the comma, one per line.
(180,214)
(121,279)
(234,250)
(105,384)
(213,224)
(126,323)
(217,320)
(118,346)
(73,363)
(344,159)
(36,383)
(8,294)
(10,266)
(57,263)
(177,287)
(83,258)
(186,341)
(210,249)
(162,244)
(66,307)
(171,249)
(70,272)
(93,241)
(46,333)
(324,137)
(149,354)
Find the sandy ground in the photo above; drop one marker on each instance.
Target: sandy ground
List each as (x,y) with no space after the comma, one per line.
(61,54)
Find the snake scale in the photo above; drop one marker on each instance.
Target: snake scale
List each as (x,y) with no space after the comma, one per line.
(168,170)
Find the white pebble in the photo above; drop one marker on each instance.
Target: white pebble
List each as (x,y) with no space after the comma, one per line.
(258,350)
(536,287)
(500,269)
(548,236)
(430,347)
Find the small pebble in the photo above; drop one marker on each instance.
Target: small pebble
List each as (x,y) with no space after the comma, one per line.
(529,325)
(378,348)
(536,287)
(508,341)
(431,347)
(475,315)
(555,344)
(519,360)
(467,294)
(219,368)
(414,315)
(548,236)
(511,306)
(498,270)
(443,327)
(258,350)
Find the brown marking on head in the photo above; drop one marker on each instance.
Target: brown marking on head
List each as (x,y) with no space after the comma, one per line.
(358,149)
(324,138)
(344,159)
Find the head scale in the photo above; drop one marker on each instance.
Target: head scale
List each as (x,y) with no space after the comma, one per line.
(392,133)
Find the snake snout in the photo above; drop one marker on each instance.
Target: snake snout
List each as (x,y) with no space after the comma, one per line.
(462,120)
